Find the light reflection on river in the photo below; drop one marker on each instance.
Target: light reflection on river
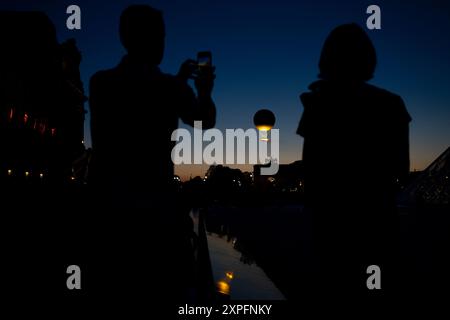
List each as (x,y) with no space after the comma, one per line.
(245,279)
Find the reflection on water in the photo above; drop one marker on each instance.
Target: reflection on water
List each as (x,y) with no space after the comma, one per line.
(223,287)
(236,274)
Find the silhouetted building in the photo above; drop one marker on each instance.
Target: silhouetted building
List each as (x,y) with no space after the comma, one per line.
(41,100)
(431,186)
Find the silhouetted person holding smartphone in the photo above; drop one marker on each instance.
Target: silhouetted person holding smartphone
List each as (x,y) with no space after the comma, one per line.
(356,150)
(134,109)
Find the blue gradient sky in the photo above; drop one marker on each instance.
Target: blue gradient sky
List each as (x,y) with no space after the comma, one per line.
(266,54)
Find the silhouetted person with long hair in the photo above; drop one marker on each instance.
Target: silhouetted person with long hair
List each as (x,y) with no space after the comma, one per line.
(355,151)
(134,110)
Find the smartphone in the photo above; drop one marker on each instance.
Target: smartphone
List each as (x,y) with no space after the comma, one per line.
(204,59)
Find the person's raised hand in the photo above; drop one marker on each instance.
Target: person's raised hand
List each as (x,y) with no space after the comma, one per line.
(187,69)
(204,81)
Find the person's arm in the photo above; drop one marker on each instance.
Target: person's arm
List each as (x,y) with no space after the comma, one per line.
(401,141)
(198,107)
(402,168)
(301,129)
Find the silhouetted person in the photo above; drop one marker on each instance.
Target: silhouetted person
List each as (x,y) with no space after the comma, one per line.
(135,107)
(355,148)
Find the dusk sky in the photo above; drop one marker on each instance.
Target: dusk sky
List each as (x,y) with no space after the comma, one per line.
(266,53)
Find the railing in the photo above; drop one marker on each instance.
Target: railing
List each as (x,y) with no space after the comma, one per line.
(205,282)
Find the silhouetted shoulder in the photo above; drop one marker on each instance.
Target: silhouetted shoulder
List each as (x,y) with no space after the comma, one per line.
(379,92)
(102,85)
(102,75)
(97,82)
(120,73)
(388,101)
(334,100)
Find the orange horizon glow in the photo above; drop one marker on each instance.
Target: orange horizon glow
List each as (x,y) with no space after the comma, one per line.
(186,172)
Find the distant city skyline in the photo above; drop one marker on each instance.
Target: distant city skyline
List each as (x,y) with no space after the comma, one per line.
(266,54)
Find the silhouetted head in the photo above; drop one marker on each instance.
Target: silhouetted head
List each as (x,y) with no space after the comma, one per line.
(142,33)
(348,54)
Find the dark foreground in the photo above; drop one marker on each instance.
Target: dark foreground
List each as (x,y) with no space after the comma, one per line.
(135,260)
